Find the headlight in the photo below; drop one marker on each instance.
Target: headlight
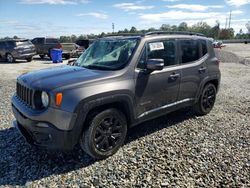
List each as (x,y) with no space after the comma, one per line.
(45,99)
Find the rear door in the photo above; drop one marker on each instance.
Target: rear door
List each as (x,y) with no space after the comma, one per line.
(157,92)
(193,57)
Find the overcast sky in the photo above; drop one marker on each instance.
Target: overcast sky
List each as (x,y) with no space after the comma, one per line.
(32,18)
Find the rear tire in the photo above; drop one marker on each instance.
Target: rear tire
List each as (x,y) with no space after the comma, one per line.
(105,134)
(42,56)
(10,58)
(206,100)
(67,56)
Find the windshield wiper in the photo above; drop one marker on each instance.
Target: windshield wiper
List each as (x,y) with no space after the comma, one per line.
(98,67)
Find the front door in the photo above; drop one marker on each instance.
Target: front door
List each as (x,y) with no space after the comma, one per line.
(157,91)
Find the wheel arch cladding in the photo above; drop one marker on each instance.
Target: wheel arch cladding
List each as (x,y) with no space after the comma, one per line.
(88,107)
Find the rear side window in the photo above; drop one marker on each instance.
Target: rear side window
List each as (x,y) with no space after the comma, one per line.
(51,41)
(189,50)
(203,47)
(10,44)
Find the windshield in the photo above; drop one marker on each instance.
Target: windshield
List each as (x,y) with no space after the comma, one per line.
(108,54)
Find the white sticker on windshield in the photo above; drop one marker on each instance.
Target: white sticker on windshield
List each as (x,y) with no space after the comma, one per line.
(156,46)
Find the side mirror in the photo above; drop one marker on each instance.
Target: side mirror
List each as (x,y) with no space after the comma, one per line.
(155,64)
(71,62)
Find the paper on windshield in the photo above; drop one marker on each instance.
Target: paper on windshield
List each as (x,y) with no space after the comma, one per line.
(156,46)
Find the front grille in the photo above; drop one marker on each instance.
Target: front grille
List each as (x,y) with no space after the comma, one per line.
(25,94)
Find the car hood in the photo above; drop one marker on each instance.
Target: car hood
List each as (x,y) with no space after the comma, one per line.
(52,78)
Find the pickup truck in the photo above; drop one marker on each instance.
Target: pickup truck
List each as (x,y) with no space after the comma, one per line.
(43,45)
(71,50)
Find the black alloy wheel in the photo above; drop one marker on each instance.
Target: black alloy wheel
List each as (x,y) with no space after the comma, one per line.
(206,100)
(105,133)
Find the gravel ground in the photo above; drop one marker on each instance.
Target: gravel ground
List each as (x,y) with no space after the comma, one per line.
(234,53)
(177,150)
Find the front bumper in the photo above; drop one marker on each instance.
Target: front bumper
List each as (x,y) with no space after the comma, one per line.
(41,132)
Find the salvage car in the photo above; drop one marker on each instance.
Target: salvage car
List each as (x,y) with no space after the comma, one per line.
(12,49)
(117,83)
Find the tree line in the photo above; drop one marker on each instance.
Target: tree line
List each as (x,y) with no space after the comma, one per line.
(215,31)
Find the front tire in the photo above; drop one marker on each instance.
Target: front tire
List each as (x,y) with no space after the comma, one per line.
(206,100)
(105,134)
(29,59)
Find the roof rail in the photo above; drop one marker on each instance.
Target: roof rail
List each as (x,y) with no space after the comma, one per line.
(123,34)
(174,33)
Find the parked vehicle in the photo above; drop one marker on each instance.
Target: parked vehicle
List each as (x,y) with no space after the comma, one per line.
(117,83)
(44,45)
(84,43)
(12,49)
(71,50)
(218,44)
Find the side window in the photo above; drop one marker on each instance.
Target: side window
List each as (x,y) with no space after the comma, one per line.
(34,41)
(162,50)
(40,40)
(203,47)
(51,40)
(10,44)
(189,50)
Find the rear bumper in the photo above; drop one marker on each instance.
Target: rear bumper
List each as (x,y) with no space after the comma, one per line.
(24,56)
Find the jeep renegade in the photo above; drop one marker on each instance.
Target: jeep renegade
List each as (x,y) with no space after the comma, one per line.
(117,83)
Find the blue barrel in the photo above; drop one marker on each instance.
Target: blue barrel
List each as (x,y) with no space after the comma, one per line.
(56,55)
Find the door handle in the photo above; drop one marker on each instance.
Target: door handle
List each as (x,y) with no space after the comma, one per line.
(202,69)
(174,76)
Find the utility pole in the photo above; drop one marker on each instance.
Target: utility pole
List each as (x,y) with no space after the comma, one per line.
(226,23)
(113,27)
(230,17)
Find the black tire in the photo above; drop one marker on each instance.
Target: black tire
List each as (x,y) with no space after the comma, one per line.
(49,54)
(10,58)
(67,56)
(29,59)
(42,56)
(206,100)
(105,134)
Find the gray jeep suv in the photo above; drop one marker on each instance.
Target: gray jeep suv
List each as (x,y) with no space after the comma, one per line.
(117,83)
